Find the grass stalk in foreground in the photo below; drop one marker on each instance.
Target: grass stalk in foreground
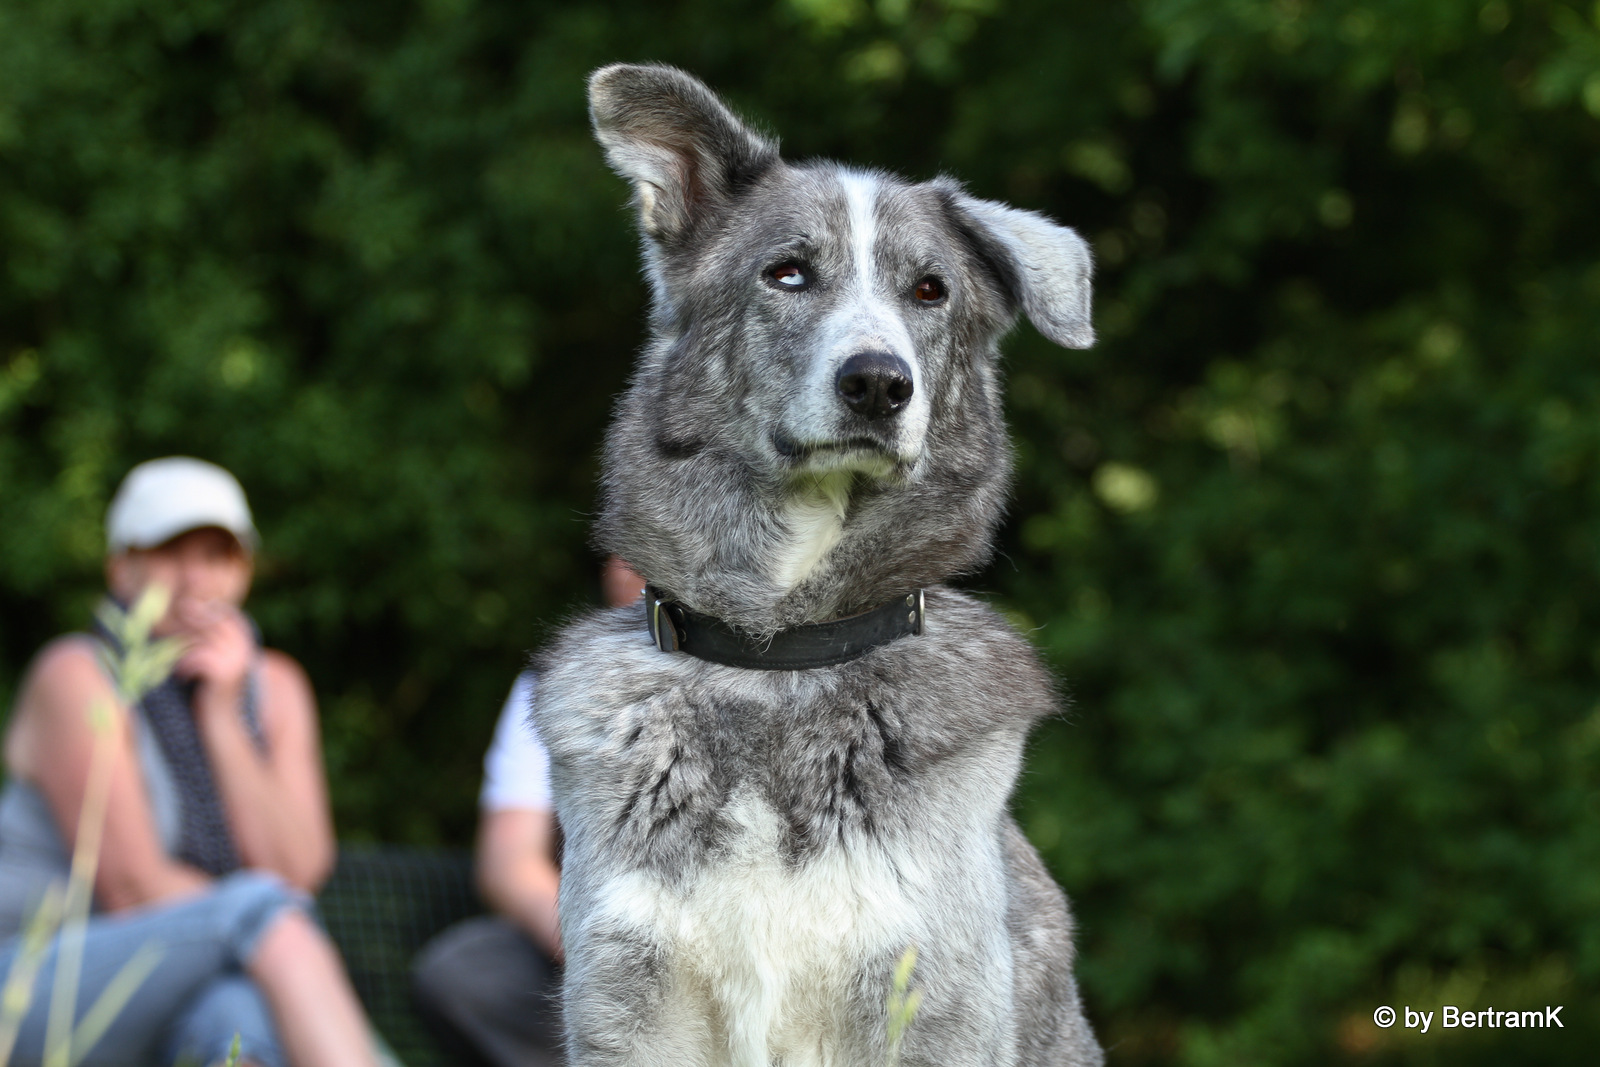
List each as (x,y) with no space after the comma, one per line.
(18,991)
(903,1004)
(143,663)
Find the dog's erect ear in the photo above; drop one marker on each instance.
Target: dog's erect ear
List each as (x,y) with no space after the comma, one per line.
(679,145)
(1044,267)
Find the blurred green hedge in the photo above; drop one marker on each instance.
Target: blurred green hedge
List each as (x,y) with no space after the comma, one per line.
(1312,537)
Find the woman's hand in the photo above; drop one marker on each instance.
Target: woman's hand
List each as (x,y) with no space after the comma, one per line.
(222,646)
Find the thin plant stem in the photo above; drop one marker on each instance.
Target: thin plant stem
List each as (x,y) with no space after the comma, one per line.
(113,999)
(24,972)
(80,891)
(137,665)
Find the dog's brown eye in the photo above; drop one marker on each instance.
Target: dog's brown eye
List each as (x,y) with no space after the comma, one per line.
(788,276)
(930,291)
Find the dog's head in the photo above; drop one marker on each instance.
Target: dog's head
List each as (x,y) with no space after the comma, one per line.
(817,420)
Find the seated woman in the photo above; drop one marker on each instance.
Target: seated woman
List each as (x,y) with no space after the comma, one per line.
(218,824)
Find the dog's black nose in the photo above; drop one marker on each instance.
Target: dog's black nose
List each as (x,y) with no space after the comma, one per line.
(875,384)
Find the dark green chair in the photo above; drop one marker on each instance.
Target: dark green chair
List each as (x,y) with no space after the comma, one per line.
(382,904)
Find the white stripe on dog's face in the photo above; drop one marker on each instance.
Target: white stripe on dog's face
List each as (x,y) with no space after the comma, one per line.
(860,191)
(864,314)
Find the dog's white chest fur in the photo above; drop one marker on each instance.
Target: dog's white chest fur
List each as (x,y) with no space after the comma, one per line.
(766,950)
(814,521)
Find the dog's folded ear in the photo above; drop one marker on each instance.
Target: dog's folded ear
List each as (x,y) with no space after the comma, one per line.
(1044,267)
(683,150)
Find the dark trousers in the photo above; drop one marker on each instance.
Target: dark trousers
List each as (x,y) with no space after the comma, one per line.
(491,995)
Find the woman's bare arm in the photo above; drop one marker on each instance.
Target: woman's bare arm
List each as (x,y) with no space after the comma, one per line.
(277,801)
(50,743)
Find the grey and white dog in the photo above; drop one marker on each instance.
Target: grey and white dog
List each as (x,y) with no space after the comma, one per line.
(814,430)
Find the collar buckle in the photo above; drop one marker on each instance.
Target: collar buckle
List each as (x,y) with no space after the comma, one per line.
(663,628)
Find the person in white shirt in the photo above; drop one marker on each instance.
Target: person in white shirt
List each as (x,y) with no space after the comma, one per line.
(490,986)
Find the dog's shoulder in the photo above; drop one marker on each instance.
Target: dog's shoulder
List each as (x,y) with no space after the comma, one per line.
(976,655)
(601,660)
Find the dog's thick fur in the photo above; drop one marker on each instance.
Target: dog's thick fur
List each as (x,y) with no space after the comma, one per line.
(749,852)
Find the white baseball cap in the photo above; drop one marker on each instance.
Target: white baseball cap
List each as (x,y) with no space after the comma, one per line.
(163,498)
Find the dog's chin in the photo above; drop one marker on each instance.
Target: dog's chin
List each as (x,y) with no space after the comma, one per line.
(861,453)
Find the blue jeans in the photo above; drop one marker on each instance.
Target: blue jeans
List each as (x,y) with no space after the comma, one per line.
(198,995)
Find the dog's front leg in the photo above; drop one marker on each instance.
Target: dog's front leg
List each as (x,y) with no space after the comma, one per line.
(623,1009)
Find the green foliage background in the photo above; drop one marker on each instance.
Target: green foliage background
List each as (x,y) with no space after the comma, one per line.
(1312,537)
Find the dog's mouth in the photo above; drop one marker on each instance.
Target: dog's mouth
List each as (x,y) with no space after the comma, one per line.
(801,451)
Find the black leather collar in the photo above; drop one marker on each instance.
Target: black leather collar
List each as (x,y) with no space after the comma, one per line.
(675,628)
